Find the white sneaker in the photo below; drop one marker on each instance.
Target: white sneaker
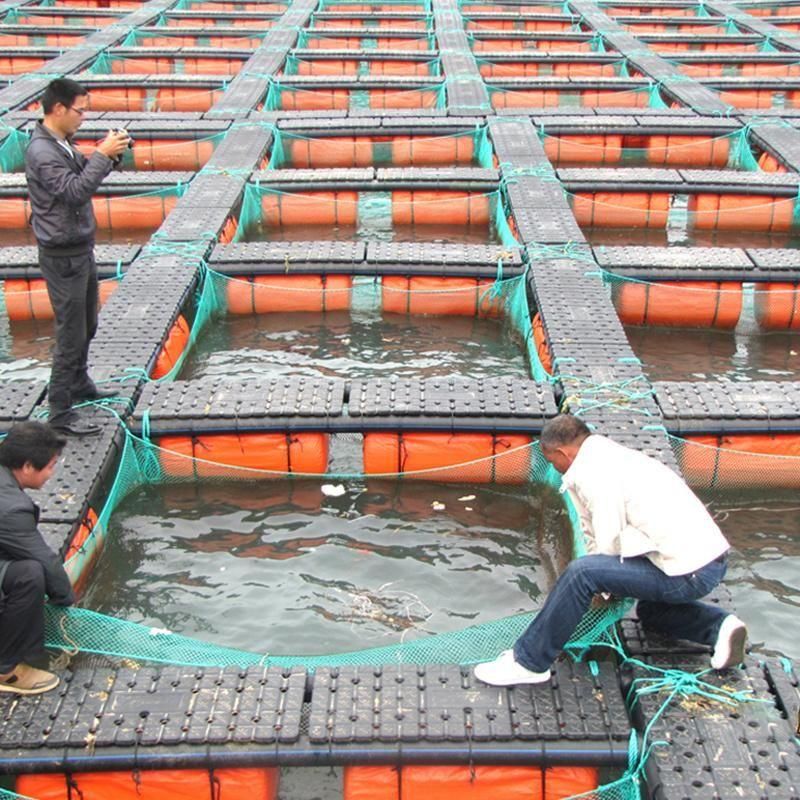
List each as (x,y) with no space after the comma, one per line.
(729,647)
(505,670)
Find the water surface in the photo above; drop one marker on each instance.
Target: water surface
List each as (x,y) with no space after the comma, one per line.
(336,345)
(291,569)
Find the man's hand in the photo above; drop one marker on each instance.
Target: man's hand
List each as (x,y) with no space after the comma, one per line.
(115,144)
(601,601)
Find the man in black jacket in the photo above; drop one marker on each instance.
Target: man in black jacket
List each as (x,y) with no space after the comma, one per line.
(28,567)
(61,182)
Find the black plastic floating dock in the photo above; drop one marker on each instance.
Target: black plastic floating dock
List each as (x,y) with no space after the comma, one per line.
(101,718)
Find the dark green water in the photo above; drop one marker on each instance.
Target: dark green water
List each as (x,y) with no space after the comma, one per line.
(289,569)
(435,234)
(343,346)
(764,568)
(25,349)
(675,354)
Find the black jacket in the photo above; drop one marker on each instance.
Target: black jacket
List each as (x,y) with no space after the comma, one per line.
(60,189)
(20,538)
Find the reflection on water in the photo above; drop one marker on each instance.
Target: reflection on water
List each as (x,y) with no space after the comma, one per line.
(289,569)
(25,349)
(336,345)
(661,237)
(764,568)
(19,237)
(672,354)
(434,234)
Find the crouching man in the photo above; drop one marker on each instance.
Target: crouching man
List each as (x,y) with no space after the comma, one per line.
(29,569)
(649,537)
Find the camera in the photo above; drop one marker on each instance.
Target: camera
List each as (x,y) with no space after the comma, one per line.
(130,138)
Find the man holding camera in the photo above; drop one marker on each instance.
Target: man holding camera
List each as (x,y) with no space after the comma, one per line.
(61,182)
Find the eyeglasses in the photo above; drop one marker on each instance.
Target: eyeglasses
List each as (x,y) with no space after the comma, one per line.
(80,111)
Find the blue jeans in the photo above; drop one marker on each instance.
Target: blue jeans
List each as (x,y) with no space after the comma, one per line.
(667,603)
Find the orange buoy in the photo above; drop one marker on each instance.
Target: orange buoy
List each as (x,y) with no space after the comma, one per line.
(171,352)
(244,455)
(689,304)
(743,212)
(309,208)
(437,207)
(621,209)
(688,151)
(14,213)
(401,98)
(449,457)
(171,154)
(27,299)
(314,100)
(336,151)
(588,149)
(420,151)
(777,306)
(738,461)
(148,784)
(467,783)
(542,345)
(769,163)
(85,530)
(265,294)
(439,296)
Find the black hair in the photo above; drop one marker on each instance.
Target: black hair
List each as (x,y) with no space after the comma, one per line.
(61,90)
(30,442)
(562,430)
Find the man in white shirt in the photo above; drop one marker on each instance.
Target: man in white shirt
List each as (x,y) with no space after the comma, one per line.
(649,537)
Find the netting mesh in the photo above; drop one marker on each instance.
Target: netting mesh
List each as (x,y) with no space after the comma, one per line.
(294,150)
(144,462)
(377,215)
(726,151)
(12,149)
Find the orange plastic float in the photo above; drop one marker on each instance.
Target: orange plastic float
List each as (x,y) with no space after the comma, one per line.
(265,294)
(777,306)
(449,457)
(600,148)
(365,151)
(691,304)
(18,65)
(739,461)
(687,151)
(440,296)
(542,345)
(28,298)
(175,784)
(309,208)
(171,352)
(742,212)
(241,455)
(769,163)
(139,213)
(621,209)
(171,154)
(437,207)
(465,783)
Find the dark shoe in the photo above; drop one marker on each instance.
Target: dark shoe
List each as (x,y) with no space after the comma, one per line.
(97,393)
(74,426)
(24,679)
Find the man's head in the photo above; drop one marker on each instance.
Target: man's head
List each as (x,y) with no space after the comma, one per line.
(31,451)
(63,103)
(561,440)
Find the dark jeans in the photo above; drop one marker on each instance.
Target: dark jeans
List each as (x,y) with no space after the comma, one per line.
(21,614)
(667,604)
(72,288)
